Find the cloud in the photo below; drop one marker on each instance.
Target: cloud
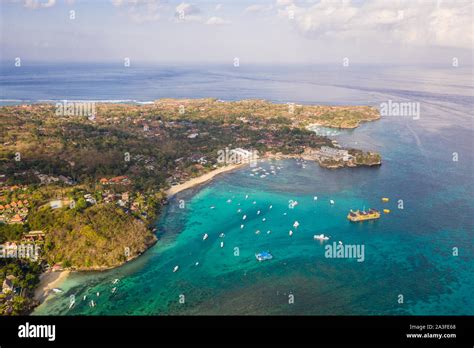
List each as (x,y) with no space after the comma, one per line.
(141,11)
(415,22)
(216,21)
(258,8)
(33,4)
(185,12)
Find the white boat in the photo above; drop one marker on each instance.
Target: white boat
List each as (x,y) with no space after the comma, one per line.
(113,290)
(98,294)
(92,303)
(222,235)
(241,226)
(84,298)
(244,217)
(115,281)
(254,202)
(229,201)
(268,232)
(222,244)
(257,232)
(331,201)
(258,212)
(212,207)
(57,290)
(315,198)
(290,233)
(175,269)
(246,196)
(196,264)
(264,219)
(320,237)
(270,207)
(72,304)
(296,224)
(239,210)
(205,236)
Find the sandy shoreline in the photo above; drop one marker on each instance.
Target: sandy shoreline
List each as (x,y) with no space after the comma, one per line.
(49,281)
(202,179)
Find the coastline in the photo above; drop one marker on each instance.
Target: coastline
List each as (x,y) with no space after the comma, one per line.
(173,190)
(48,281)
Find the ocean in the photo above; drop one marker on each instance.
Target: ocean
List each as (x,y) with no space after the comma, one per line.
(418,260)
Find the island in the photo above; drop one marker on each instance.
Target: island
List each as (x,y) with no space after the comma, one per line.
(82,190)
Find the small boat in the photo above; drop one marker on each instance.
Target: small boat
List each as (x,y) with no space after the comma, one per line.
(98,294)
(257,232)
(175,269)
(264,219)
(71,304)
(290,233)
(115,281)
(196,264)
(331,202)
(241,226)
(205,236)
(385,199)
(239,210)
(268,232)
(84,298)
(264,256)
(212,207)
(296,224)
(222,235)
(92,303)
(246,196)
(244,217)
(363,215)
(320,237)
(222,244)
(386,211)
(284,213)
(315,198)
(258,212)
(270,207)
(263,176)
(254,202)
(229,201)
(57,290)
(113,290)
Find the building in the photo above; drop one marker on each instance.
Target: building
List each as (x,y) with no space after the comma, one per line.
(16,219)
(34,236)
(327,152)
(118,180)
(7,285)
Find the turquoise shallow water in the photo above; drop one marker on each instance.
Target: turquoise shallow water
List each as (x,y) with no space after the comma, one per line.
(408,252)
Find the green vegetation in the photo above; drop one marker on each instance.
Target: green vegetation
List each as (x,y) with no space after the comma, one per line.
(24,277)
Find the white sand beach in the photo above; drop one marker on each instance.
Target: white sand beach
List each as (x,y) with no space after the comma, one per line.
(202,179)
(48,281)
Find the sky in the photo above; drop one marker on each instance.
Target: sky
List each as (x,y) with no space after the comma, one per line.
(255,31)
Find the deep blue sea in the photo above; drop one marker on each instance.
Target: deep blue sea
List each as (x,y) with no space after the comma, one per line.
(408,252)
